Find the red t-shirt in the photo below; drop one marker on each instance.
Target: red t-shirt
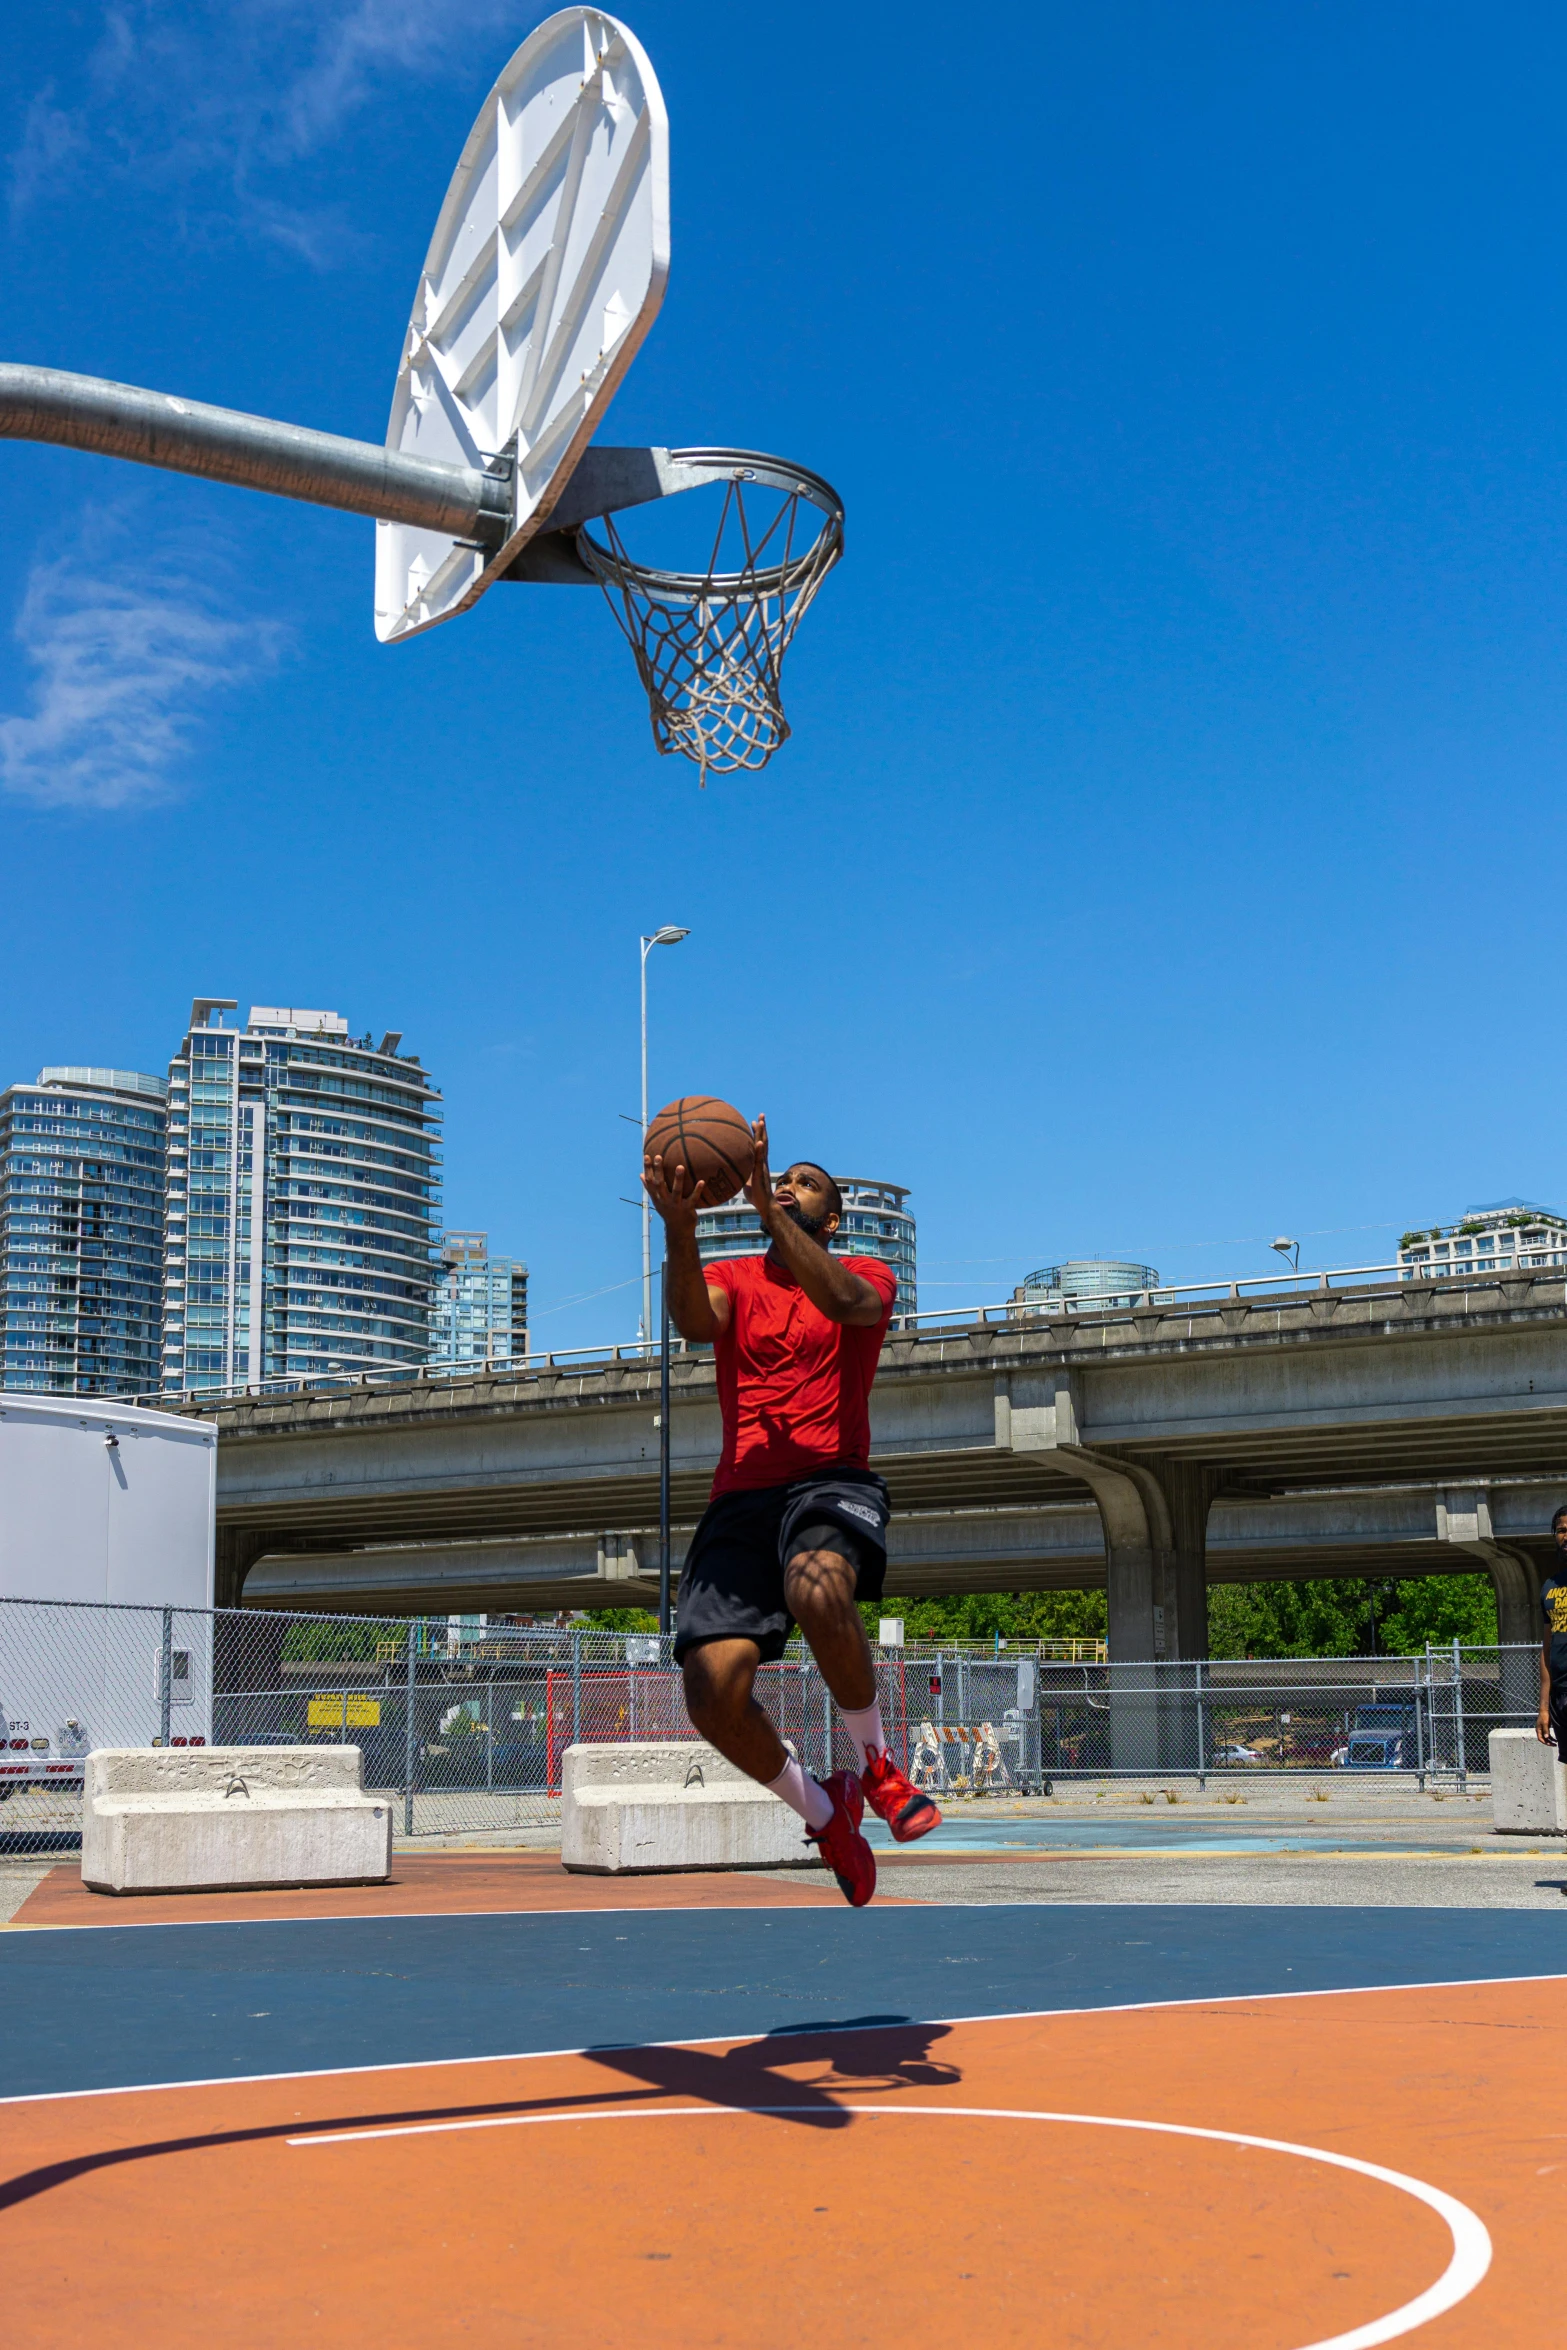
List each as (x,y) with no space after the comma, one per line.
(793,1386)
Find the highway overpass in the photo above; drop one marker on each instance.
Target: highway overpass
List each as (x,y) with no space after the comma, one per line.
(1395,1428)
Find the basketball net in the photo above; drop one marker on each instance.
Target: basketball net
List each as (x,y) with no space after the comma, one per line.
(709,645)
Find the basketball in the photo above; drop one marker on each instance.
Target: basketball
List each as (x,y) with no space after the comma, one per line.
(707,1137)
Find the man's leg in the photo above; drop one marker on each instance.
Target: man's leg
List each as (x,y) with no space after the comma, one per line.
(819,1586)
(719,1678)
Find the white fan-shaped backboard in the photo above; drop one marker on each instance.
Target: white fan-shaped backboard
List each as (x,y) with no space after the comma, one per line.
(546,269)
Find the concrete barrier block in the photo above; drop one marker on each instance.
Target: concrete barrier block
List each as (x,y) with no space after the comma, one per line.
(634,1809)
(1528,1786)
(188,1819)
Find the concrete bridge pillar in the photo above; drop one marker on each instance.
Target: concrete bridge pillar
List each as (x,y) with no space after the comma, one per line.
(1155,1519)
(1463,1519)
(238,1548)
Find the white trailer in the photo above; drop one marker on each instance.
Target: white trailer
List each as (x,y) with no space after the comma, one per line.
(106,1561)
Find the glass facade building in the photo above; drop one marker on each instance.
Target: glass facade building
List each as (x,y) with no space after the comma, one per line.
(480,1314)
(81,1232)
(1085,1281)
(1494,1239)
(302,1201)
(876,1223)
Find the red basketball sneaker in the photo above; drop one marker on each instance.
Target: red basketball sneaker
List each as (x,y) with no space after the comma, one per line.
(843,1848)
(907,1812)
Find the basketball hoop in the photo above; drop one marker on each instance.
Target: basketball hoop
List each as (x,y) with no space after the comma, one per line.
(709,645)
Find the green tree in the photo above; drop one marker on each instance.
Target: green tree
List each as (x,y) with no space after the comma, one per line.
(328,1640)
(616,1619)
(1332,1617)
(988,1615)
(1327,1617)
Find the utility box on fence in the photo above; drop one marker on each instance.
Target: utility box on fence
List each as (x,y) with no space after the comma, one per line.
(1528,1786)
(631,1809)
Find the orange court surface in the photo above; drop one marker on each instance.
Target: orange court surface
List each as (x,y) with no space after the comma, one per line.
(456,2107)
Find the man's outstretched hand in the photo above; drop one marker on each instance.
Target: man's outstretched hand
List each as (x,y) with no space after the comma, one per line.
(759,1185)
(678,1200)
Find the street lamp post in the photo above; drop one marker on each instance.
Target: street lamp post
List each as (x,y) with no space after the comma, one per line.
(668,936)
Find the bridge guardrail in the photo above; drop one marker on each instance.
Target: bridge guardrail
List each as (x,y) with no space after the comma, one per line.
(463,1720)
(933,1324)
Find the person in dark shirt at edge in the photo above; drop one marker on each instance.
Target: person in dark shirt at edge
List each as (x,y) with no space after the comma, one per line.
(1552,1724)
(796,1529)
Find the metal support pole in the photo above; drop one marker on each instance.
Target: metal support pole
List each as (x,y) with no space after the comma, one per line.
(252,452)
(408,1727)
(663,1451)
(1420,1736)
(668,934)
(1202,1735)
(166,1678)
(1458,1716)
(576,1689)
(647,1205)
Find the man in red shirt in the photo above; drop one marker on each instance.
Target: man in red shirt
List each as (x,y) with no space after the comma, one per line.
(795,1531)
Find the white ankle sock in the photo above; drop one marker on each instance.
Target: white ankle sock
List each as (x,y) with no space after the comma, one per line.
(802,1794)
(866,1731)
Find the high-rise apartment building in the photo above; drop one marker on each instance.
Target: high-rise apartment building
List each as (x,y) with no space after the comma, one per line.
(302,1201)
(81,1232)
(875,1224)
(480,1313)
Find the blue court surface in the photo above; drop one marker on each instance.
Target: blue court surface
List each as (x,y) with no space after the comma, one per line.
(107,2007)
(1134,1835)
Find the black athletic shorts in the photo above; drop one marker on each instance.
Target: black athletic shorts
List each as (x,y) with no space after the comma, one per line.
(732,1587)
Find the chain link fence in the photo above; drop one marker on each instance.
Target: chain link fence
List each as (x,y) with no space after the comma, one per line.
(464,1721)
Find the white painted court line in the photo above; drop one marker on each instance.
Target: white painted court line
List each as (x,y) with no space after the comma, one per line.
(1005,2015)
(1471,2254)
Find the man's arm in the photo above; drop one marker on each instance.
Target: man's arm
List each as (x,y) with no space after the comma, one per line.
(836,1292)
(1542,1728)
(699,1311)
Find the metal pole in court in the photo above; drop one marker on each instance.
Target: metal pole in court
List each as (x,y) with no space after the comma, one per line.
(669,934)
(408,1730)
(663,1452)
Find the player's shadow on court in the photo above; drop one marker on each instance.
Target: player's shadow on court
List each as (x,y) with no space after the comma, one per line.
(857,2057)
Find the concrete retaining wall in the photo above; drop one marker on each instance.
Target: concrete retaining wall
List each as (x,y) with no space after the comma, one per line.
(182,1819)
(631,1809)
(1528,1786)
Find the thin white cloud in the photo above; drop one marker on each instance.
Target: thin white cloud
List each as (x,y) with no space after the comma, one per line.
(231,97)
(363,44)
(128,649)
(51,139)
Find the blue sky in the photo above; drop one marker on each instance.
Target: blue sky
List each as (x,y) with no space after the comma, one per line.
(1163,858)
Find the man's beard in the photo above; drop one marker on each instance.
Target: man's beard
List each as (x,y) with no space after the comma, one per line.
(814,1225)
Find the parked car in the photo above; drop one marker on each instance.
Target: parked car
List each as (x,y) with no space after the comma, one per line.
(1236,1754)
(1384,1738)
(1378,1750)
